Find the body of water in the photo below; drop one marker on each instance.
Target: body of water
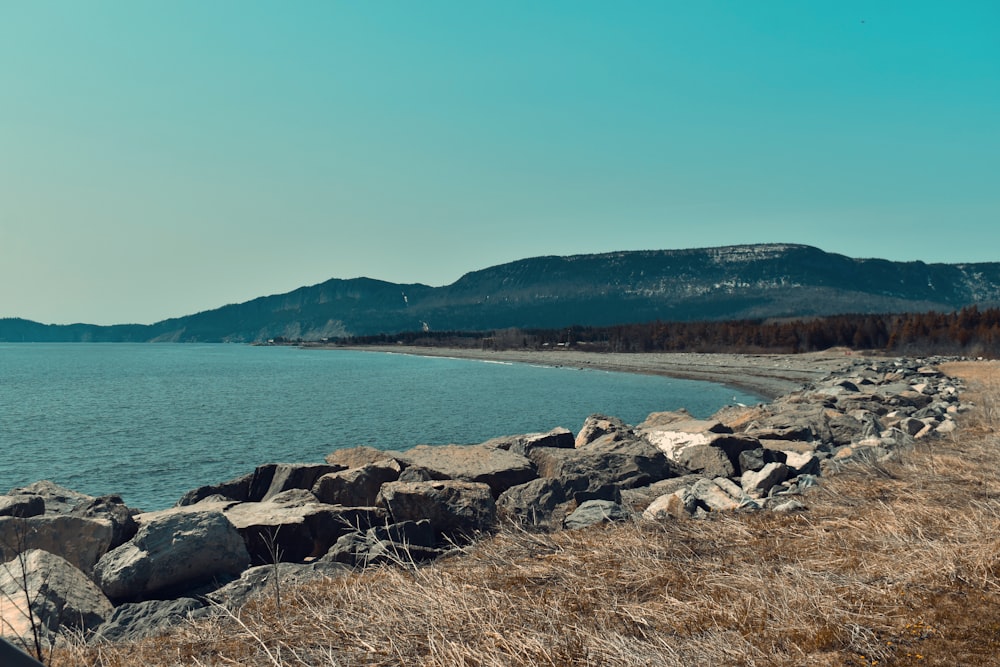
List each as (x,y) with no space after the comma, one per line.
(150,422)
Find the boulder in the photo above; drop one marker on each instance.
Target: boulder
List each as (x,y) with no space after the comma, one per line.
(733,446)
(946,427)
(685,440)
(455,508)
(350,549)
(601,427)
(138,620)
(416,533)
(720,495)
(789,505)
(259,581)
(534,502)
(757,483)
(593,512)
(293,526)
(170,554)
(237,489)
(680,422)
(598,469)
(419,474)
(801,432)
(22,505)
(405,542)
(643,496)
(755,459)
(911,426)
(522,444)
(356,457)
(402,543)
(679,504)
(497,468)
(801,463)
(707,460)
(844,429)
(79,540)
(58,499)
(789,446)
(357,487)
(61,596)
(113,509)
(287,476)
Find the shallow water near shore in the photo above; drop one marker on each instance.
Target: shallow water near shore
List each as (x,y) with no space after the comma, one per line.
(150,422)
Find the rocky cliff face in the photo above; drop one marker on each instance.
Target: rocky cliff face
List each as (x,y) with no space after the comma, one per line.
(733,282)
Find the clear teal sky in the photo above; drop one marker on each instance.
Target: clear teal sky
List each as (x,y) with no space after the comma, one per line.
(161,158)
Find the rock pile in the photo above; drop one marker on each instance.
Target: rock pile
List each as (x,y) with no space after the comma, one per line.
(99,568)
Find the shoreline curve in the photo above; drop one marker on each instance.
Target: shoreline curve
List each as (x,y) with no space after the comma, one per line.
(767,375)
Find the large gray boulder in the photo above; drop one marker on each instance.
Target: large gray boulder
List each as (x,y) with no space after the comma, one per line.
(497,468)
(599,469)
(173,552)
(455,508)
(61,596)
(532,503)
(294,526)
(58,499)
(357,487)
(706,459)
(755,459)
(79,540)
(734,445)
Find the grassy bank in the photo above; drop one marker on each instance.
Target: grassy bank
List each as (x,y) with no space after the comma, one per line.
(893,564)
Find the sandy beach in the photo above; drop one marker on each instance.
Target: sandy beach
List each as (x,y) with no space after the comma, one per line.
(768,375)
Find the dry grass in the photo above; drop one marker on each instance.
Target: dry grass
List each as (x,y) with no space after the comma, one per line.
(894,565)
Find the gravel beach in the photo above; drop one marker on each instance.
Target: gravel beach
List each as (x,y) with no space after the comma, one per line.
(768,375)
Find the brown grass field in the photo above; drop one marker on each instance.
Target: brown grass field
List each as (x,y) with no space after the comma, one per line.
(893,564)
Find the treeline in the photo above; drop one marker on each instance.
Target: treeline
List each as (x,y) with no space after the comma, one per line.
(970,331)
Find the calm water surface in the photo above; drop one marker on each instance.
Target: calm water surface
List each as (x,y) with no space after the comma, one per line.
(152,421)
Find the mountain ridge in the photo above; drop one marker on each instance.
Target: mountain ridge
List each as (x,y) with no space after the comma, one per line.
(748,281)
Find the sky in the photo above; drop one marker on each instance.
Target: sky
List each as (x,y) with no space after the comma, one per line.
(163,158)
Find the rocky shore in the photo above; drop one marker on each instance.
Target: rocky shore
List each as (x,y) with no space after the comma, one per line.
(94,567)
(767,375)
